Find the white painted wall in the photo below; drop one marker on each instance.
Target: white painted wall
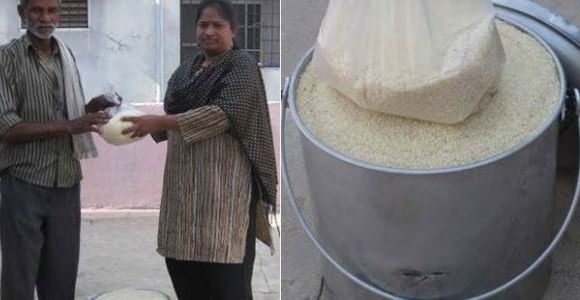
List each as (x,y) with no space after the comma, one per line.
(272,82)
(121,47)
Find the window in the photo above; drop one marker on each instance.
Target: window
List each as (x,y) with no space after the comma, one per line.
(74,14)
(248,35)
(258,29)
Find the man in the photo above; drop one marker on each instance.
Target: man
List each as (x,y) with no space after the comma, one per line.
(44,131)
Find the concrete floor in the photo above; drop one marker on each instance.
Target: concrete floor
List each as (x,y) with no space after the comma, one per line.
(118,252)
(301,276)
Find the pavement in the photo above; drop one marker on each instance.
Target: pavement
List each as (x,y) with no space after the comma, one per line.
(301,269)
(118,252)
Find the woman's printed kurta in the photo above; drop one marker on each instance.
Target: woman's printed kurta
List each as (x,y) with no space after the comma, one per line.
(222,148)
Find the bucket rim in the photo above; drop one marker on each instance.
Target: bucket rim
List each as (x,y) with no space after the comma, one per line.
(299,69)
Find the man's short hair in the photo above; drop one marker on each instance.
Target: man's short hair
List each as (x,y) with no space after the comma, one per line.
(24,3)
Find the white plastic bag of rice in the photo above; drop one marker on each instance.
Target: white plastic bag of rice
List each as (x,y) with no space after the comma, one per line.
(111,132)
(436,60)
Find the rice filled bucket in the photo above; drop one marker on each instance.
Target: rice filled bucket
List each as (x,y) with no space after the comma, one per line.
(408,209)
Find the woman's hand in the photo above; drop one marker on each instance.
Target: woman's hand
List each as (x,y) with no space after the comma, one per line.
(147,124)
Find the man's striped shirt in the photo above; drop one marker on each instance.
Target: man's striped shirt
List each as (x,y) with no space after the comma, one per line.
(32,90)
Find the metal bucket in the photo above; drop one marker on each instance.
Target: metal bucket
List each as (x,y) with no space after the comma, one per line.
(478,230)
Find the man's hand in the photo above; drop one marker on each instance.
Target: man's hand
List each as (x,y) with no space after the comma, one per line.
(24,132)
(99,103)
(88,122)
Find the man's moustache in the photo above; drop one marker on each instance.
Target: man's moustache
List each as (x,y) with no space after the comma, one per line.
(52,26)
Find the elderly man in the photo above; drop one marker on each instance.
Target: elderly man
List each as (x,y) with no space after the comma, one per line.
(44,131)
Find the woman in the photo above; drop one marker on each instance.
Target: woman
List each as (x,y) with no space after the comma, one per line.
(220,171)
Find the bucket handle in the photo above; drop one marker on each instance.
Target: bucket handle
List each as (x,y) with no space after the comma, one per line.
(390,295)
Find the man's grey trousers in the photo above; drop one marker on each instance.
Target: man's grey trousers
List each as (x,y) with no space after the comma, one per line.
(39,239)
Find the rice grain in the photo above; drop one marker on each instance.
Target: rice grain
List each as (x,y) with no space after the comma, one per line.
(527,95)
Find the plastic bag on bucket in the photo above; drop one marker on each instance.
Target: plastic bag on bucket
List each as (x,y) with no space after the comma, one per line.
(111,132)
(435,60)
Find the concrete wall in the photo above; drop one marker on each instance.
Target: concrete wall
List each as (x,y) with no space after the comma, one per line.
(119,47)
(171,38)
(128,45)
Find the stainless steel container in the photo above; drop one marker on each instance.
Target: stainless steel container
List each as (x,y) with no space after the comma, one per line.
(450,233)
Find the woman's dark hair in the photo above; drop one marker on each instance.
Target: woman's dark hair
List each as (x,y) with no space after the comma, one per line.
(224,8)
